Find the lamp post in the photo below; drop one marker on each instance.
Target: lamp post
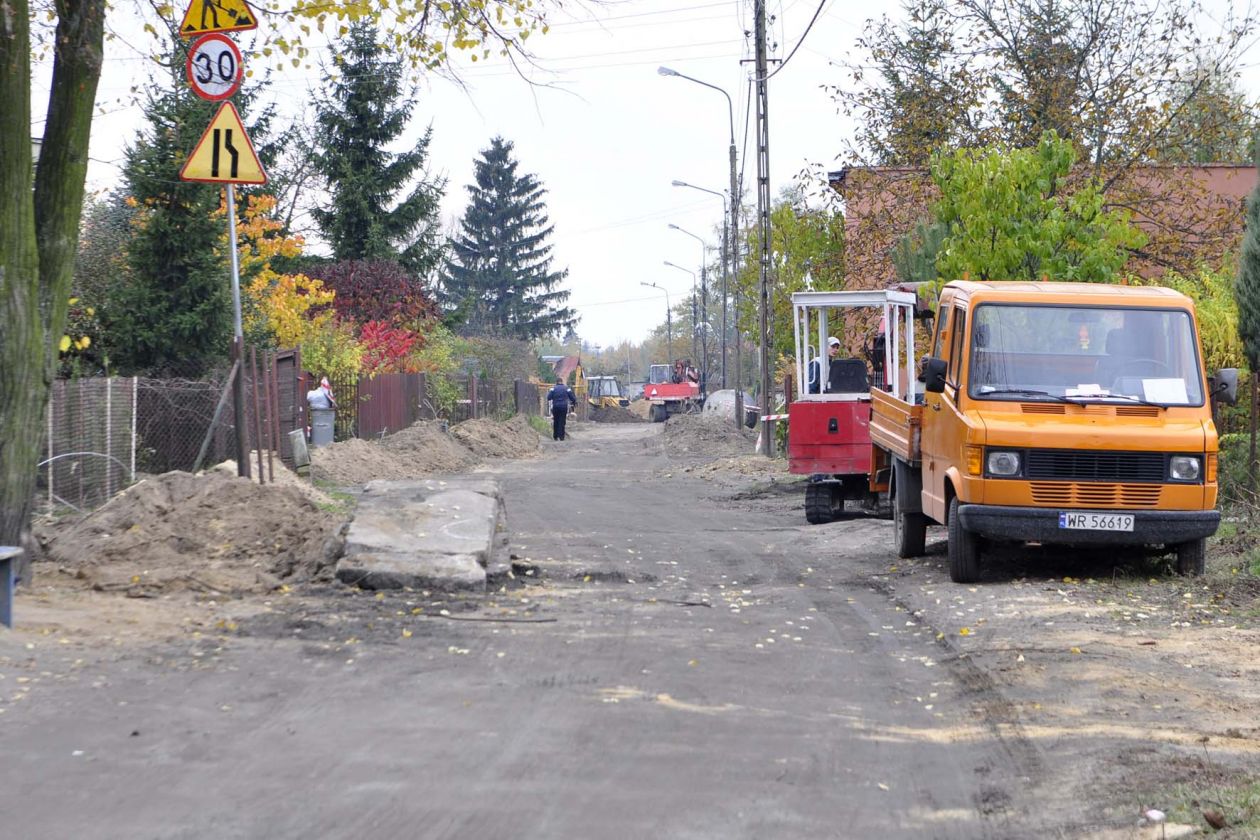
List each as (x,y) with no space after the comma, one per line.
(703,323)
(669,321)
(727,263)
(693,304)
(735,199)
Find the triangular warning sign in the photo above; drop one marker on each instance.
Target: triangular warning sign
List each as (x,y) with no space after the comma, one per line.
(224,154)
(206,16)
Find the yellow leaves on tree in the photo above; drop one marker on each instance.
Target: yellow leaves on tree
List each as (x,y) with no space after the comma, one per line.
(290,310)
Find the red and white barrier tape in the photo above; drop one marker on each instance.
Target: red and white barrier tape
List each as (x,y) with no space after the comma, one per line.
(770,417)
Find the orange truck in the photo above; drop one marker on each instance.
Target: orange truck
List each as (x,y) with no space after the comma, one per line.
(1058,413)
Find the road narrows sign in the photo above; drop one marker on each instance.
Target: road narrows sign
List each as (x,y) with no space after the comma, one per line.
(206,16)
(214,67)
(224,155)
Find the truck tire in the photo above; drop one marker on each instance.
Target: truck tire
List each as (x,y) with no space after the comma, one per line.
(658,413)
(818,504)
(1192,558)
(909,532)
(964,549)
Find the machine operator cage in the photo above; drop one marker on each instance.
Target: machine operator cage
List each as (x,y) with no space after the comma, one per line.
(814,315)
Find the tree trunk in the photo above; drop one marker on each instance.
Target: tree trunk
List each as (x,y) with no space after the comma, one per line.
(38,231)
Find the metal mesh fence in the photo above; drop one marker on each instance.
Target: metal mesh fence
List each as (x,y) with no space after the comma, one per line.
(90,442)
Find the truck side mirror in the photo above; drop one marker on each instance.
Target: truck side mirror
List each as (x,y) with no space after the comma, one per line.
(933,375)
(1224,385)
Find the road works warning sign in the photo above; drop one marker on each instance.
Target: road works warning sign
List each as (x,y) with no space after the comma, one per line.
(206,16)
(224,154)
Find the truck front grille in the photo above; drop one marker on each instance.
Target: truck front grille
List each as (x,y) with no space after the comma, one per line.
(1086,465)
(1095,494)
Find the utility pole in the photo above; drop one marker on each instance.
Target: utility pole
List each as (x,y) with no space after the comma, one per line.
(763,224)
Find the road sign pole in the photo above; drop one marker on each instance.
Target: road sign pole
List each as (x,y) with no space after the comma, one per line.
(236,265)
(238,343)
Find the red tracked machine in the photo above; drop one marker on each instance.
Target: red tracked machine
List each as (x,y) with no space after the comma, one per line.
(829,420)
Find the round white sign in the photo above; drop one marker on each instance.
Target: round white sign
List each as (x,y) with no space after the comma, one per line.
(214,66)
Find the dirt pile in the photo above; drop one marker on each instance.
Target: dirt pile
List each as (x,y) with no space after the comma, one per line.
(640,408)
(210,532)
(493,439)
(617,414)
(429,448)
(746,465)
(277,473)
(423,449)
(705,436)
(418,450)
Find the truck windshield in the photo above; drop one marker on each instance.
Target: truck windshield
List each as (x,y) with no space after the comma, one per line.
(1027,352)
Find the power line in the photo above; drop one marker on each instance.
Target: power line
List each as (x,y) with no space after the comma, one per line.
(812,20)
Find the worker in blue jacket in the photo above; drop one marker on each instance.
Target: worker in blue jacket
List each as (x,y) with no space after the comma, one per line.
(562,399)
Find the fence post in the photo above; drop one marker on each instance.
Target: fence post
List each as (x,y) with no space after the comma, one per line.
(52,399)
(472,397)
(135,392)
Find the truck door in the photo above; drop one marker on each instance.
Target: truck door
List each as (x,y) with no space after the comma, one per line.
(942,422)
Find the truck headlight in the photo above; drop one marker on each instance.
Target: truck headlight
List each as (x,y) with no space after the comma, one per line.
(1003,463)
(1184,468)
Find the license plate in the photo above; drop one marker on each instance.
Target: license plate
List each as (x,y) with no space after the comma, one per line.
(1084,520)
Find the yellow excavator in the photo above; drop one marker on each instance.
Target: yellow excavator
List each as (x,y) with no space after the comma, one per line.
(604,392)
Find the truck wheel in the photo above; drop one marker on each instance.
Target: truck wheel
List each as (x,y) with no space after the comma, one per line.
(909,532)
(1192,558)
(657,414)
(818,508)
(964,549)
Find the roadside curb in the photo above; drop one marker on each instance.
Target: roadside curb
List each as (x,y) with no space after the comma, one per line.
(436,534)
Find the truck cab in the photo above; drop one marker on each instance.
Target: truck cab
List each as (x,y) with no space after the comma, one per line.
(1061,413)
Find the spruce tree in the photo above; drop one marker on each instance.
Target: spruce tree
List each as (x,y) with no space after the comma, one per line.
(362,114)
(172,312)
(500,266)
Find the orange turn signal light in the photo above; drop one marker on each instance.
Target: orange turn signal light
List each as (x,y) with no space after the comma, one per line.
(1209,473)
(975,458)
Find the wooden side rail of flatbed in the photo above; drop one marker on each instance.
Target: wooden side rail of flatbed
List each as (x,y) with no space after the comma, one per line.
(896,425)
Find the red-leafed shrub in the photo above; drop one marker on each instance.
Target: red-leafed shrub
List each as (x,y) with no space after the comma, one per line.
(388,349)
(377,290)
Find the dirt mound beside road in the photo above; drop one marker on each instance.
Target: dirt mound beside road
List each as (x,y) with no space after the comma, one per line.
(616,414)
(209,532)
(495,439)
(429,448)
(708,436)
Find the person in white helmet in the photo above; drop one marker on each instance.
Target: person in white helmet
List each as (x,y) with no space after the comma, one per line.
(816,368)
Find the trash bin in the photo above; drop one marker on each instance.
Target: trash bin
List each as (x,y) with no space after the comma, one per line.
(322,420)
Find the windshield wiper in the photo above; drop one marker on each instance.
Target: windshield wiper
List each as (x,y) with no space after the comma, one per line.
(1027,392)
(1095,398)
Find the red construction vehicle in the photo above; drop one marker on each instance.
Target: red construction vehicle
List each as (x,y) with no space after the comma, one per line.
(672,390)
(829,421)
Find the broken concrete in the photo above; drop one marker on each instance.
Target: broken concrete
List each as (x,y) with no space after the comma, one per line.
(428,534)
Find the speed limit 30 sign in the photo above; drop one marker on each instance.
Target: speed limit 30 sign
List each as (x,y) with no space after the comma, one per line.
(214,67)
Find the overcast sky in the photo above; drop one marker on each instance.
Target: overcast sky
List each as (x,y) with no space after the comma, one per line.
(609,134)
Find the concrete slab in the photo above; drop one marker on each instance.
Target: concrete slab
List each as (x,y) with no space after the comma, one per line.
(426,534)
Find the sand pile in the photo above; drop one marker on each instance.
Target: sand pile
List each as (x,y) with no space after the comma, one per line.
(210,532)
(493,439)
(706,436)
(617,414)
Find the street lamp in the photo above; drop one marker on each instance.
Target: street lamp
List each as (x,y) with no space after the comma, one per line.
(693,304)
(669,321)
(703,323)
(727,264)
(735,198)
